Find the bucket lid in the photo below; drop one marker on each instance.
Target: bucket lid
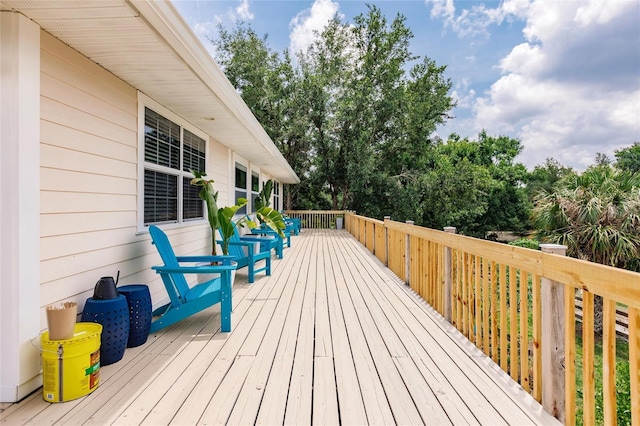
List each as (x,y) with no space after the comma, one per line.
(82,331)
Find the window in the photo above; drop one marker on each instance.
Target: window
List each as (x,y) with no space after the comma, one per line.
(255,189)
(241,186)
(170,151)
(276,195)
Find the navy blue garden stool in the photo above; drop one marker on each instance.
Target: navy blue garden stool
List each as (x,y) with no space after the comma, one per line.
(113,315)
(139,301)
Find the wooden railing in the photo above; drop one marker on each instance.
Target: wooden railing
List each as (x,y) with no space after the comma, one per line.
(318,219)
(518,306)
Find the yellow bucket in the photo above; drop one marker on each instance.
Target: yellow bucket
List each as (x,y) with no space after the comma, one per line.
(71,367)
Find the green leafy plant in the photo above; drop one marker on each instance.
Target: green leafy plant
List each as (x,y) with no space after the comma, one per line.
(227,223)
(210,197)
(222,218)
(262,200)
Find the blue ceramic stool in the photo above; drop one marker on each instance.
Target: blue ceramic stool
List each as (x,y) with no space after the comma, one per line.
(139,301)
(113,315)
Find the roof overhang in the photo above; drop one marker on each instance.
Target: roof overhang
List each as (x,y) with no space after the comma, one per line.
(148,44)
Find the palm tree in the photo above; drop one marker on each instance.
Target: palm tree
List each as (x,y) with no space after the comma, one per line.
(596,215)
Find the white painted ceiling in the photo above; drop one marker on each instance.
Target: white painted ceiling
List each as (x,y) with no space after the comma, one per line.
(147,44)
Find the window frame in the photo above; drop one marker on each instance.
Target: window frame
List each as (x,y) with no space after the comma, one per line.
(276,197)
(254,194)
(146,102)
(244,210)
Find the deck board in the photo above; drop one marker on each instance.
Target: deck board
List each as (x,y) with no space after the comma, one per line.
(332,337)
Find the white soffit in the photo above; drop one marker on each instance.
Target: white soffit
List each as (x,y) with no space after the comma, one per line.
(147,44)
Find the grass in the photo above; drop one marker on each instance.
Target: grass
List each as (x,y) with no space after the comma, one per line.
(623,386)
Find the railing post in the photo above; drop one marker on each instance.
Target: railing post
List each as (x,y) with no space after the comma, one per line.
(448,278)
(386,241)
(407,255)
(553,355)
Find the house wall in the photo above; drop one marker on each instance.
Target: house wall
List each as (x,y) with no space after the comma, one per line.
(89,182)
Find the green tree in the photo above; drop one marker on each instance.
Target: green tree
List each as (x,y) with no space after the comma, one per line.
(477,186)
(273,89)
(371,118)
(545,177)
(629,158)
(596,215)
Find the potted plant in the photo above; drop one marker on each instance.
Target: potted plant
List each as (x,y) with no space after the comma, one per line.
(264,197)
(222,219)
(210,197)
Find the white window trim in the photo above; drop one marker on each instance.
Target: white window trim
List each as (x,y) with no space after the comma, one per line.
(239,160)
(276,184)
(260,183)
(146,102)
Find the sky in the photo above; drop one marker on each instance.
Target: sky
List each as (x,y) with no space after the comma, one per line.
(562,76)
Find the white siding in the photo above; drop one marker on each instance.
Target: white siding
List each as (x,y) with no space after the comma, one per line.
(89,186)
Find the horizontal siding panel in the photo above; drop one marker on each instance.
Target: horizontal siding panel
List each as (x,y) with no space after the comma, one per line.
(69,223)
(65,159)
(57,112)
(79,287)
(70,181)
(65,64)
(67,137)
(72,244)
(76,202)
(70,95)
(115,258)
(133,260)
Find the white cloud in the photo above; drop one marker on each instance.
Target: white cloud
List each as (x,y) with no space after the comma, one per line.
(309,21)
(475,21)
(442,9)
(567,103)
(243,10)
(525,59)
(572,88)
(205,29)
(462,95)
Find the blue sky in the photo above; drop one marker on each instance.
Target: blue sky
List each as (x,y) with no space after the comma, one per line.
(563,76)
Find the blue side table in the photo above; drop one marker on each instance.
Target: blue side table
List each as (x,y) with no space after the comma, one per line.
(139,302)
(113,315)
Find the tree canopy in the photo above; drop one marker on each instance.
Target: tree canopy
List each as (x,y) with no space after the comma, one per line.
(596,214)
(355,115)
(629,158)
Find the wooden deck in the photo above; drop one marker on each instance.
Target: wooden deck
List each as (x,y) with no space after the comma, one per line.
(332,337)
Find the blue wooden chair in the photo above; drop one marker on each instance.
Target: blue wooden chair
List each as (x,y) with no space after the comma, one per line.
(237,246)
(293,224)
(279,242)
(186,301)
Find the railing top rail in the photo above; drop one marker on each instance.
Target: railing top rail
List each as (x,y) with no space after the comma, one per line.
(316,211)
(614,283)
(367,219)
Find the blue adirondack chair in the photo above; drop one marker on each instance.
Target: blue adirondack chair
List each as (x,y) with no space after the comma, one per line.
(186,301)
(296,224)
(251,256)
(279,242)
